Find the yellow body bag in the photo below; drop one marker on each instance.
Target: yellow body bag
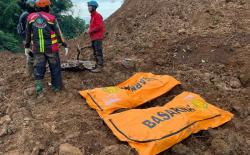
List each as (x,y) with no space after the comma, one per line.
(151,131)
(139,89)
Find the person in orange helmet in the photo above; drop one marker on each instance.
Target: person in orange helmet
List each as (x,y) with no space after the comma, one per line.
(46,38)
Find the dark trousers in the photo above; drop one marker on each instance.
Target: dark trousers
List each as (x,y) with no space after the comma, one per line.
(40,61)
(98,52)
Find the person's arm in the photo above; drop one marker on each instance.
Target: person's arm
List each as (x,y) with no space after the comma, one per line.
(60,37)
(59,34)
(28,35)
(99,24)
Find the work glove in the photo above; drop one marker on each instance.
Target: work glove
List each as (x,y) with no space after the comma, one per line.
(66,51)
(27,51)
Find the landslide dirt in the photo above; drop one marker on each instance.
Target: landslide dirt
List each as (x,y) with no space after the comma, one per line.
(204,44)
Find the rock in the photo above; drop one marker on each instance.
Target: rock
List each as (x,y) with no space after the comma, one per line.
(116,149)
(35,151)
(53,129)
(51,150)
(235,83)
(212,132)
(237,109)
(29,92)
(5,131)
(236,45)
(219,147)
(72,135)
(2,91)
(68,149)
(182,31)
(128,63)
(5,119)
(2,81)
(180,149)
(245,79)
(240,110)
(27,119)
(13,152)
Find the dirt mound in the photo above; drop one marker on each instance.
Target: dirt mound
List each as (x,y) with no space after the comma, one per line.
(204,44)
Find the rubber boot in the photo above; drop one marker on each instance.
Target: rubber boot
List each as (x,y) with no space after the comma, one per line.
(39,87)
(56,89)
(99,65)
(97,69)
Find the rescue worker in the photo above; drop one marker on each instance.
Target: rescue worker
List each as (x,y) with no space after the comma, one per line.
(96,31)
(28,7)
(46,36)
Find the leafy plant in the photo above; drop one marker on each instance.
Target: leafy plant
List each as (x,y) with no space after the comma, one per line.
(10,11)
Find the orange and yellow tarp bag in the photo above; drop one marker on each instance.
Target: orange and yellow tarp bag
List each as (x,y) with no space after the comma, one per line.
(140,88)
(151,131)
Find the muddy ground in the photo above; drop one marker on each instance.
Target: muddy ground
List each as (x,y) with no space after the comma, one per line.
(204,44)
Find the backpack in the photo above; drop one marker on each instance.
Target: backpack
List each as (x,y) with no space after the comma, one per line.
(21,26)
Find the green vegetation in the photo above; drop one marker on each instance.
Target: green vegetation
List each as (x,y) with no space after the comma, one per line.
(71,26)
(10,11)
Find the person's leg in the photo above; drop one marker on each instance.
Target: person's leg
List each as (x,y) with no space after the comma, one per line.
(97,47)
(93,48)
(39,71)
(55,68)
(98,52)
(30,66)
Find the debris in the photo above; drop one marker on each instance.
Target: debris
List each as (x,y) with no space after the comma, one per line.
(180,149)
(182,31)
(29,92)
(235,83)
(128,63)
(27,119)
(245,79)
(68,149)
(115,149)
(78,65)
(237,45)
(5,131)
(2,81)
(219,147)
(5,119)
(36,150)
(2,91)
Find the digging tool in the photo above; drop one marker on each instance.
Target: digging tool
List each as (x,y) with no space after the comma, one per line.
(77,64)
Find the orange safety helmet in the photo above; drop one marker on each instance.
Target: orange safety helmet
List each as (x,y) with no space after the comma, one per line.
(43,3)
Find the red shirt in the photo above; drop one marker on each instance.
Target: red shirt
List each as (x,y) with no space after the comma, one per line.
(96,27)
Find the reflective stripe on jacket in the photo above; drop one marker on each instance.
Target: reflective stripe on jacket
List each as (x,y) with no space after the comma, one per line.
(45,32)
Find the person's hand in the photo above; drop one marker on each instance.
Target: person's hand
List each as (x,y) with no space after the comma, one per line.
(27,51)
(66,51)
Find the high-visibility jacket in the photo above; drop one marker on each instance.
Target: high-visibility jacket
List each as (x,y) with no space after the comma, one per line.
(96,27)
(45,32)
